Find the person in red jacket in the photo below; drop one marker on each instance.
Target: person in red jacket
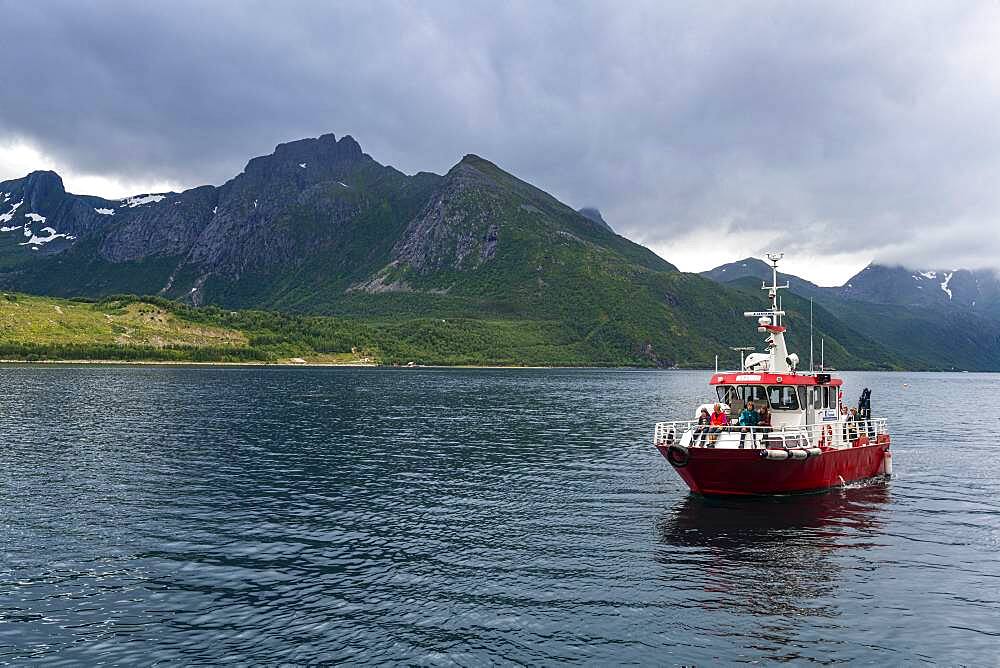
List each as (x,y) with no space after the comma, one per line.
(719,419)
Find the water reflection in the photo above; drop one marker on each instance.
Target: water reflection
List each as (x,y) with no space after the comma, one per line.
(771,555)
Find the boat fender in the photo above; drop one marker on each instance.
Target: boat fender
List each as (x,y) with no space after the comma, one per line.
(814,452)
(678,455)
(776,455)
(887,464)
(798,454)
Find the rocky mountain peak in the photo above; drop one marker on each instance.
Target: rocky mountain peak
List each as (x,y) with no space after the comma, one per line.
(44,184)
(323,152)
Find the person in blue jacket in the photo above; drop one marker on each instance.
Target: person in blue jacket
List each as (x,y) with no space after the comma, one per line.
(748,418)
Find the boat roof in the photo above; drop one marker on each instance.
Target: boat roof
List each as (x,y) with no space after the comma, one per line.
(744,378)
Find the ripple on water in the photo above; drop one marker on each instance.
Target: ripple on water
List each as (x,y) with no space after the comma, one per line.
(444,516)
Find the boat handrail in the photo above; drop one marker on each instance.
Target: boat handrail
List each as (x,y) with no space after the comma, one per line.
(811,434)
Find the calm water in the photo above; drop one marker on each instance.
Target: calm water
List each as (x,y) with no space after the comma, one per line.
(471,517)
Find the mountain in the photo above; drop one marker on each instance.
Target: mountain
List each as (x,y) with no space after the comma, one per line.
(472,266)
(755,268)
(318,226)
(926,319)
(979,291)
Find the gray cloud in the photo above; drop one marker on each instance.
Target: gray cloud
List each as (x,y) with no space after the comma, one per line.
(866,130)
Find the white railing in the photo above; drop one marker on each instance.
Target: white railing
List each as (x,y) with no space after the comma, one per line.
(838,434)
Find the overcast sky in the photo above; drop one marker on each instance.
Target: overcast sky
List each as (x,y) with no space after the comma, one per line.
(839,132)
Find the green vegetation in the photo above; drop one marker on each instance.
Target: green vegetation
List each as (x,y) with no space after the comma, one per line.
(131,328)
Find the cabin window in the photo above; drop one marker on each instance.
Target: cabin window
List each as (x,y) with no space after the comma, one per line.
(817,393)
(783,398)
(803,397)
(727,394)
(754,393)
(735,395)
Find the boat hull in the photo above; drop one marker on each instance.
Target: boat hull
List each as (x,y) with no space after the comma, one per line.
(734,472)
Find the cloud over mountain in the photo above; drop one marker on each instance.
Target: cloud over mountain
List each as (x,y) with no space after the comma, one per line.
(865,131)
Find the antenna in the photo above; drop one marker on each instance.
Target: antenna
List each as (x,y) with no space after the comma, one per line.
(811,368)
(772,290)
(822,354)
(742,350)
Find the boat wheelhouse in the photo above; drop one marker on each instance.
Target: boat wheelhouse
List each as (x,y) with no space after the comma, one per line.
(813,440)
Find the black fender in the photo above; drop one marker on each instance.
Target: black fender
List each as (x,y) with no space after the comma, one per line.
(678,455)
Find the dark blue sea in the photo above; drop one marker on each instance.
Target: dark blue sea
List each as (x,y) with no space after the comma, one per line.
(472,517)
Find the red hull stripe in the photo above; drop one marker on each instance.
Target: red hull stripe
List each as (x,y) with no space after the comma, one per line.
(769,379)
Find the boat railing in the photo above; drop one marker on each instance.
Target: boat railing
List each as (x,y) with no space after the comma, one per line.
(689,433)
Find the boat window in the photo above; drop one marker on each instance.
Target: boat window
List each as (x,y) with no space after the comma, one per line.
(817,393)
(783,398)
(829,397)
(754,393)
(727,394)
(803,397)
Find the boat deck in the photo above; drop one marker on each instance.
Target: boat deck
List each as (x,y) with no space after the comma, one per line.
(834,434)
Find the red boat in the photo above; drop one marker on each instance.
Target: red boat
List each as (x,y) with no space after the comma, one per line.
(814,442)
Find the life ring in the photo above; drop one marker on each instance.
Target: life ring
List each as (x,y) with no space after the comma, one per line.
(678,455)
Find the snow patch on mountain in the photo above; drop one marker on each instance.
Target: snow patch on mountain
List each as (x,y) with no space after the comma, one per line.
(51,235)
(7,217)
(105,212)
(947,280)
(140,200)
(38,218)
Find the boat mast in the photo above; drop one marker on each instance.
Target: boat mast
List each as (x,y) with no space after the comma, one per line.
(772,290)
(770,322)
(780,361)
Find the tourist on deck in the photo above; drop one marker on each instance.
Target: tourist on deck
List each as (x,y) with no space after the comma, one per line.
(704,417)
(718,422)
(852,425)
(748,420)
(749,417)
(764,417)
(718,419)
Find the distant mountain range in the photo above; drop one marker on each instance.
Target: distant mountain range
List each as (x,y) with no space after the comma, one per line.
(928,318)
(320,227)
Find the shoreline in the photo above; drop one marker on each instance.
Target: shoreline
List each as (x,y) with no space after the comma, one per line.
(372,365)
(182,363)
(299,365)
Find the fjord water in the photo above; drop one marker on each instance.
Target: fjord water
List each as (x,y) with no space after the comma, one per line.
(416,516)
